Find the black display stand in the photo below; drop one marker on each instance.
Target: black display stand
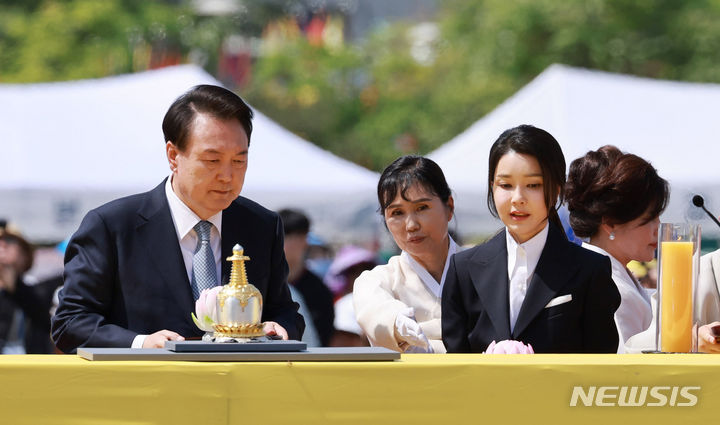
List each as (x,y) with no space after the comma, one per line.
(250,346)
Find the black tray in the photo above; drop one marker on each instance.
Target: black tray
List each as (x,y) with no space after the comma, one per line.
(251,346)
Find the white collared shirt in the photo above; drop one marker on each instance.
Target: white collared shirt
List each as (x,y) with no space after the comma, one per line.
(433,285)
(525,255)
(185,219)
(635,312)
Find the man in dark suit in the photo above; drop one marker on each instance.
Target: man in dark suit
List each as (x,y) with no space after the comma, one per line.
(136,265)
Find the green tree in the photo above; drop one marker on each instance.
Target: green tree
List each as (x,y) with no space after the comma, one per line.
(62,40)
(371,101)
(388,104)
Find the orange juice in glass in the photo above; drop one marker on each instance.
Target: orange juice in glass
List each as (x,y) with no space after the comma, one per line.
(678,266)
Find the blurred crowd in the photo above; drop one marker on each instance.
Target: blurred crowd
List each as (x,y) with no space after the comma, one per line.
(26,299)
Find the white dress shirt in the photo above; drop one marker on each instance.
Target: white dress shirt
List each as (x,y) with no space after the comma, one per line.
(635,312)
(433,285)
(522,260)
(185,220)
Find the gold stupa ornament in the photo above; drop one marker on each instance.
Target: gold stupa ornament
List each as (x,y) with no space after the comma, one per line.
(239,303)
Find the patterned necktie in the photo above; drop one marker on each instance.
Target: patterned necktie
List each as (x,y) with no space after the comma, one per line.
(204,274)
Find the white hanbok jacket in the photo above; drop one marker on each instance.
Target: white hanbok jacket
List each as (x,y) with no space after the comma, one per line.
(708,295)
(381,293)
(635,312)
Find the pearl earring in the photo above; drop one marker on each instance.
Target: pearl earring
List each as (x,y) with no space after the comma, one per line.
(612,236)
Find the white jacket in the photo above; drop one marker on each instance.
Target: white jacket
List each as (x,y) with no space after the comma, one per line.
(635,313)
(707,309)
(379,294)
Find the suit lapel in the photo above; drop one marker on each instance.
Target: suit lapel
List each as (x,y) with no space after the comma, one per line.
(490,279)
(157,234)
(551,274)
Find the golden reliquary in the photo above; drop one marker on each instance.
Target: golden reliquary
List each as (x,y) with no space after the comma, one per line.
(239,303)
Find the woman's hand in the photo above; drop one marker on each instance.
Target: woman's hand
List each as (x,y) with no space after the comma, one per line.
(408,332)
(706,338)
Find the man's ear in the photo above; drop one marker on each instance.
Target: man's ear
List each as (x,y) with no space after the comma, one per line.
(172,152)
(451,207)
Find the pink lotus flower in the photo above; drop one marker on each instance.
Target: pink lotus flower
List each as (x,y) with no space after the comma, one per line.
(205,314)
(509,346)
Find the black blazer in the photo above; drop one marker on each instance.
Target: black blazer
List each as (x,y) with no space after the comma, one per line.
(475,300)
(125,275)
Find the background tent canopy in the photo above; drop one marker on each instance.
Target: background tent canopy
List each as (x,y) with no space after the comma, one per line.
(70,146)
(671,124)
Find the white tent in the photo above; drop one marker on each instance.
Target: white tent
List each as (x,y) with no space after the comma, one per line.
(671,124)
(68,147)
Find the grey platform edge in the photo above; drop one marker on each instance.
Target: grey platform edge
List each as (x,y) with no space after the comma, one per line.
(313,354)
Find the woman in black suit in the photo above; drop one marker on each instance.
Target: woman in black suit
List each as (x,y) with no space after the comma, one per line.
(528,282)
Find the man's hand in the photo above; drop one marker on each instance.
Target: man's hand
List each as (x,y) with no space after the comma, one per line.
(272,328)
(157,340)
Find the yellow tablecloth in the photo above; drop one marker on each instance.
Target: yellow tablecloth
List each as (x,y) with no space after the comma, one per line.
(418,389)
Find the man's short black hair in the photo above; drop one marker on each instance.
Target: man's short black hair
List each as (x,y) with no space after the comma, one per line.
(215,101)
(294,222)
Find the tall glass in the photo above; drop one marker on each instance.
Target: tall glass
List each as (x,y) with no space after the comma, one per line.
(678,266)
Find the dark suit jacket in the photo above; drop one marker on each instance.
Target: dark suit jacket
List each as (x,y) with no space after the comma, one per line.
(35,302)
(125,275)
(475,300)
(319,301)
